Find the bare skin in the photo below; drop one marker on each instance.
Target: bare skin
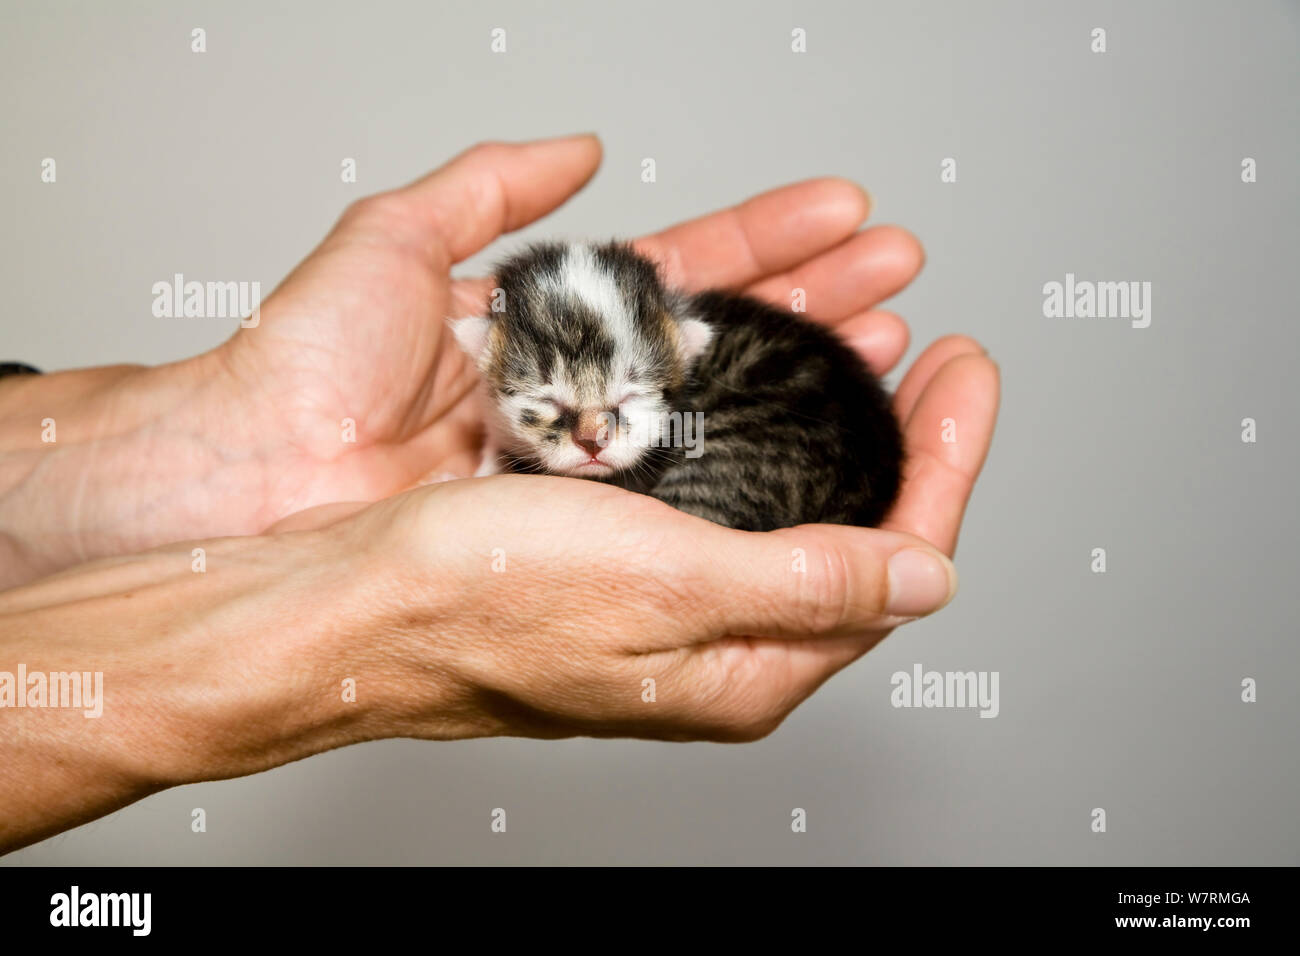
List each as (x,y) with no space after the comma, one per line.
(441,601)
(231,441)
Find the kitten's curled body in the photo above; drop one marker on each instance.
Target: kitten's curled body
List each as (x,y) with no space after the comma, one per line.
(795,429)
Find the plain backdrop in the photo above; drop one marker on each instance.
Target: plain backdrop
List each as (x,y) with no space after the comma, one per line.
(1119,690)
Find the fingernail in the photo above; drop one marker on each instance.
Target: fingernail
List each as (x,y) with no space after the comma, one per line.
(920,582)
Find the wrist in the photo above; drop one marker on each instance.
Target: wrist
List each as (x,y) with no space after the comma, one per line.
(106,461)
(275,664)
(199,661)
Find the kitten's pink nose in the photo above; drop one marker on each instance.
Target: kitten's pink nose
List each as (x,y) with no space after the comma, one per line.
(590,433)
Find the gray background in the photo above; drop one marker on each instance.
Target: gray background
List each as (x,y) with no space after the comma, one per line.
(1119,690)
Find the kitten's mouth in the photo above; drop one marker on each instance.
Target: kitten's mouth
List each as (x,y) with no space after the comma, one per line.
(593,467)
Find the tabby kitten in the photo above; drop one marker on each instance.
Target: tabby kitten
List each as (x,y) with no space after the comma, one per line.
(716,403)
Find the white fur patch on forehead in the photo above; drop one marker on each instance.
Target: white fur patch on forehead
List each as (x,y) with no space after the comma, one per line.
(582,277)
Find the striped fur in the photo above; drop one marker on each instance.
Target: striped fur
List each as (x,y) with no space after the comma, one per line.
(795,428)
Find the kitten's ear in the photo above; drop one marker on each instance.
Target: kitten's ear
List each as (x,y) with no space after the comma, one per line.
(693,337)
(472,336)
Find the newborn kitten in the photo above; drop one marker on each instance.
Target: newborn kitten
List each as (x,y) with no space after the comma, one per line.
(594,369)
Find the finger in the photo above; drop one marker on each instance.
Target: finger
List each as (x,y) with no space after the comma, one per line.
(738,689)
(947,438)
(495,188)
(880,337)
(735,246)
(923,369)
(769,233)
(857,274)
(822,580)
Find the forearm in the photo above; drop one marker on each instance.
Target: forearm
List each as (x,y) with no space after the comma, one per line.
(204,675)
(107,461)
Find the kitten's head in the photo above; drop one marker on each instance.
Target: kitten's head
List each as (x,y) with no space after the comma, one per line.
(582,353)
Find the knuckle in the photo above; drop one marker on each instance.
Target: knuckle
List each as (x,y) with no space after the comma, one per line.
(824,595)
(757,723)
(747,726)
(376,206)
(733,696)
(488,150)
(764,728)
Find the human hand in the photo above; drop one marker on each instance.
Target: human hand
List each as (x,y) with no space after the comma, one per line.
(359,330)
(521,605)
(547,530)
(540,606)
(233,440)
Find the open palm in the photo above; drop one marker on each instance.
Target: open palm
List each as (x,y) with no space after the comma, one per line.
(352,387)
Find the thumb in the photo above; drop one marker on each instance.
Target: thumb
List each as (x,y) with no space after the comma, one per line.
(495,188)
(827,580)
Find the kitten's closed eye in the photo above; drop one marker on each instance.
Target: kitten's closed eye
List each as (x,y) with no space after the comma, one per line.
(718,404)
(553,405)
